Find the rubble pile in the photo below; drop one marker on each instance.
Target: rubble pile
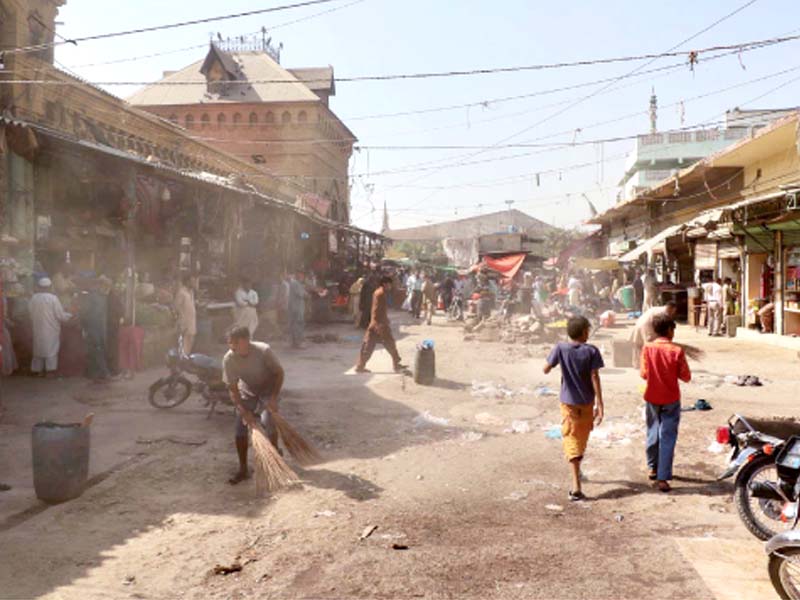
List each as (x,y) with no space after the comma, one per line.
(518,330)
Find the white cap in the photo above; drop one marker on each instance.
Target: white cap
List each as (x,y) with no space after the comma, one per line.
(45,282)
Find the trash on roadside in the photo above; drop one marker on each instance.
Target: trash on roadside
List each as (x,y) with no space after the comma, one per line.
(324,513)
(619,518)
(553,432)
(420,477)
(616,432)
(731,379)
(519,427)
(227,569)
(516,496)
(368,531)
(399,547)
(427,418)
(554,508)
(472,436)
(543,391)
(485,418)
(749,381)
(716,448)
(701,405)
(489,389)
(130,579)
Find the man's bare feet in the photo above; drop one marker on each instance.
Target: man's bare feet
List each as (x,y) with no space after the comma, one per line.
(240,477)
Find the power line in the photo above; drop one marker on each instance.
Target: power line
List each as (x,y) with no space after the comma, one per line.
(115,34)
(692,59)
(625,76)
(199,46)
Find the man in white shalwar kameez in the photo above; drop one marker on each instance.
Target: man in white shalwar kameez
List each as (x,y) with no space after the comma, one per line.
(47,314)
(643,331)
(245,313)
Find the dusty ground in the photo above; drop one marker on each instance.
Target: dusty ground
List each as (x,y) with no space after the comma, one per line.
(467,498)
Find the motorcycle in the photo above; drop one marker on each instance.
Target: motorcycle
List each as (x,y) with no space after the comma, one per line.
(175,388)
(761,499)
(455,312)
(784,549)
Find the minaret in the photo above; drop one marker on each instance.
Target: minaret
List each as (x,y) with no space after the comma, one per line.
(385,226)
(653,112)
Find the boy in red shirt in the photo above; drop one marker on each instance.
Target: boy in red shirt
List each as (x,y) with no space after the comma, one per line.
(663,365)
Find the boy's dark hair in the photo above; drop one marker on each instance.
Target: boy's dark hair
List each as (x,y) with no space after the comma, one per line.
(386,279)
(238,333)
(663,325)
(577,326)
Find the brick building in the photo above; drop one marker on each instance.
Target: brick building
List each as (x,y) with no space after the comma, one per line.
(246,104)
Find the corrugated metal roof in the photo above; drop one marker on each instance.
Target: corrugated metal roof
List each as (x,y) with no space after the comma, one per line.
(188,86)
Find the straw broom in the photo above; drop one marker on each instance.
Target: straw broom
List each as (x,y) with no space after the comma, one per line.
(303,452)
(272,472)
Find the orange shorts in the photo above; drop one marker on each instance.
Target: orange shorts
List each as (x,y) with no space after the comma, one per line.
(577,423)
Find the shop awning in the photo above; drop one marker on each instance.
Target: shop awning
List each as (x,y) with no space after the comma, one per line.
(597,264)
(649,245)
(507,266)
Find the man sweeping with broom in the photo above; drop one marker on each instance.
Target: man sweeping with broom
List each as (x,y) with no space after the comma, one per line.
(253,374)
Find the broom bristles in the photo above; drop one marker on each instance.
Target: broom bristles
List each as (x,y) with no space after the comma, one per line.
(303,452)
(693,352)
(272,472)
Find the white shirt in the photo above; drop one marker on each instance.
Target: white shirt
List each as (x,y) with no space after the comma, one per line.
(713,292)
(244,298)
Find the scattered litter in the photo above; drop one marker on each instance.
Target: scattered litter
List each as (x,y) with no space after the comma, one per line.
(619,518)
(516,496)
(324,513)
(489,389)
(472,436)
(368,531)
(427,418)
(619,433)
(399,547)
(701,405)
(543,391)
(716,448)
(227,570)
(519,427)
(172,440)
(488,419)
(553,432)
(731,379)
(749,381)
(554,508)
(420,478)
(130,579)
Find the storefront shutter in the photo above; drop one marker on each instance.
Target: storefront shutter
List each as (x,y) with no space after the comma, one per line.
(705,255)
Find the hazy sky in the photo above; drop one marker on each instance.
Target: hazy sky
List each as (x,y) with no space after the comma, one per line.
(404,36)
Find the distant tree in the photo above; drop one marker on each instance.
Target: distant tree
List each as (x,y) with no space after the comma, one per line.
(428,252)
(558,240)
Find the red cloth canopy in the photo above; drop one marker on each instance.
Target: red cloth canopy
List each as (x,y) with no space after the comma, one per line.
(507,266)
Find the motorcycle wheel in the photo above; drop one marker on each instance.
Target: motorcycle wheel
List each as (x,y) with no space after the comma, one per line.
(169,393)
(761,516)
(784,572)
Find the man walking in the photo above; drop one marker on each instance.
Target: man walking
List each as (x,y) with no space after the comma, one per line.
(650,289)
(94,320)
(663,364)
(379,330)
(244,312)
(643,331)
(428,297)
(186,313)
(47,314)
(254,375)
(416,295)
(297,309)
(713,293)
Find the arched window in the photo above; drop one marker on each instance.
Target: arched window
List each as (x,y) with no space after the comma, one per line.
(286,117)
(221,119)
(302,117)
(253,118)
(189,120)
(269,118)
(205,120)
(237,118)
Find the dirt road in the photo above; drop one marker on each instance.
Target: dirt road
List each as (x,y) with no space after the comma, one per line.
(463,507)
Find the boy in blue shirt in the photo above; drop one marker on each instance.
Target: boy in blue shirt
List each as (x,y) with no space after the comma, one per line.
(581,394)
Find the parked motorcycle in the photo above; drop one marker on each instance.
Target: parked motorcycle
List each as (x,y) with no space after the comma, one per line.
(761,500)
(784,549)
(175,388)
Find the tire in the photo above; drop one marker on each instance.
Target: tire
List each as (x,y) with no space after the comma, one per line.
(169,393)
(778,566)
(742,498)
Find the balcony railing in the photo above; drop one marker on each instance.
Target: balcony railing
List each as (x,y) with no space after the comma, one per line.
(696,136)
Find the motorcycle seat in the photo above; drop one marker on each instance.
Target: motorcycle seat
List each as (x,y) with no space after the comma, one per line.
(203,361)
(779,428)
